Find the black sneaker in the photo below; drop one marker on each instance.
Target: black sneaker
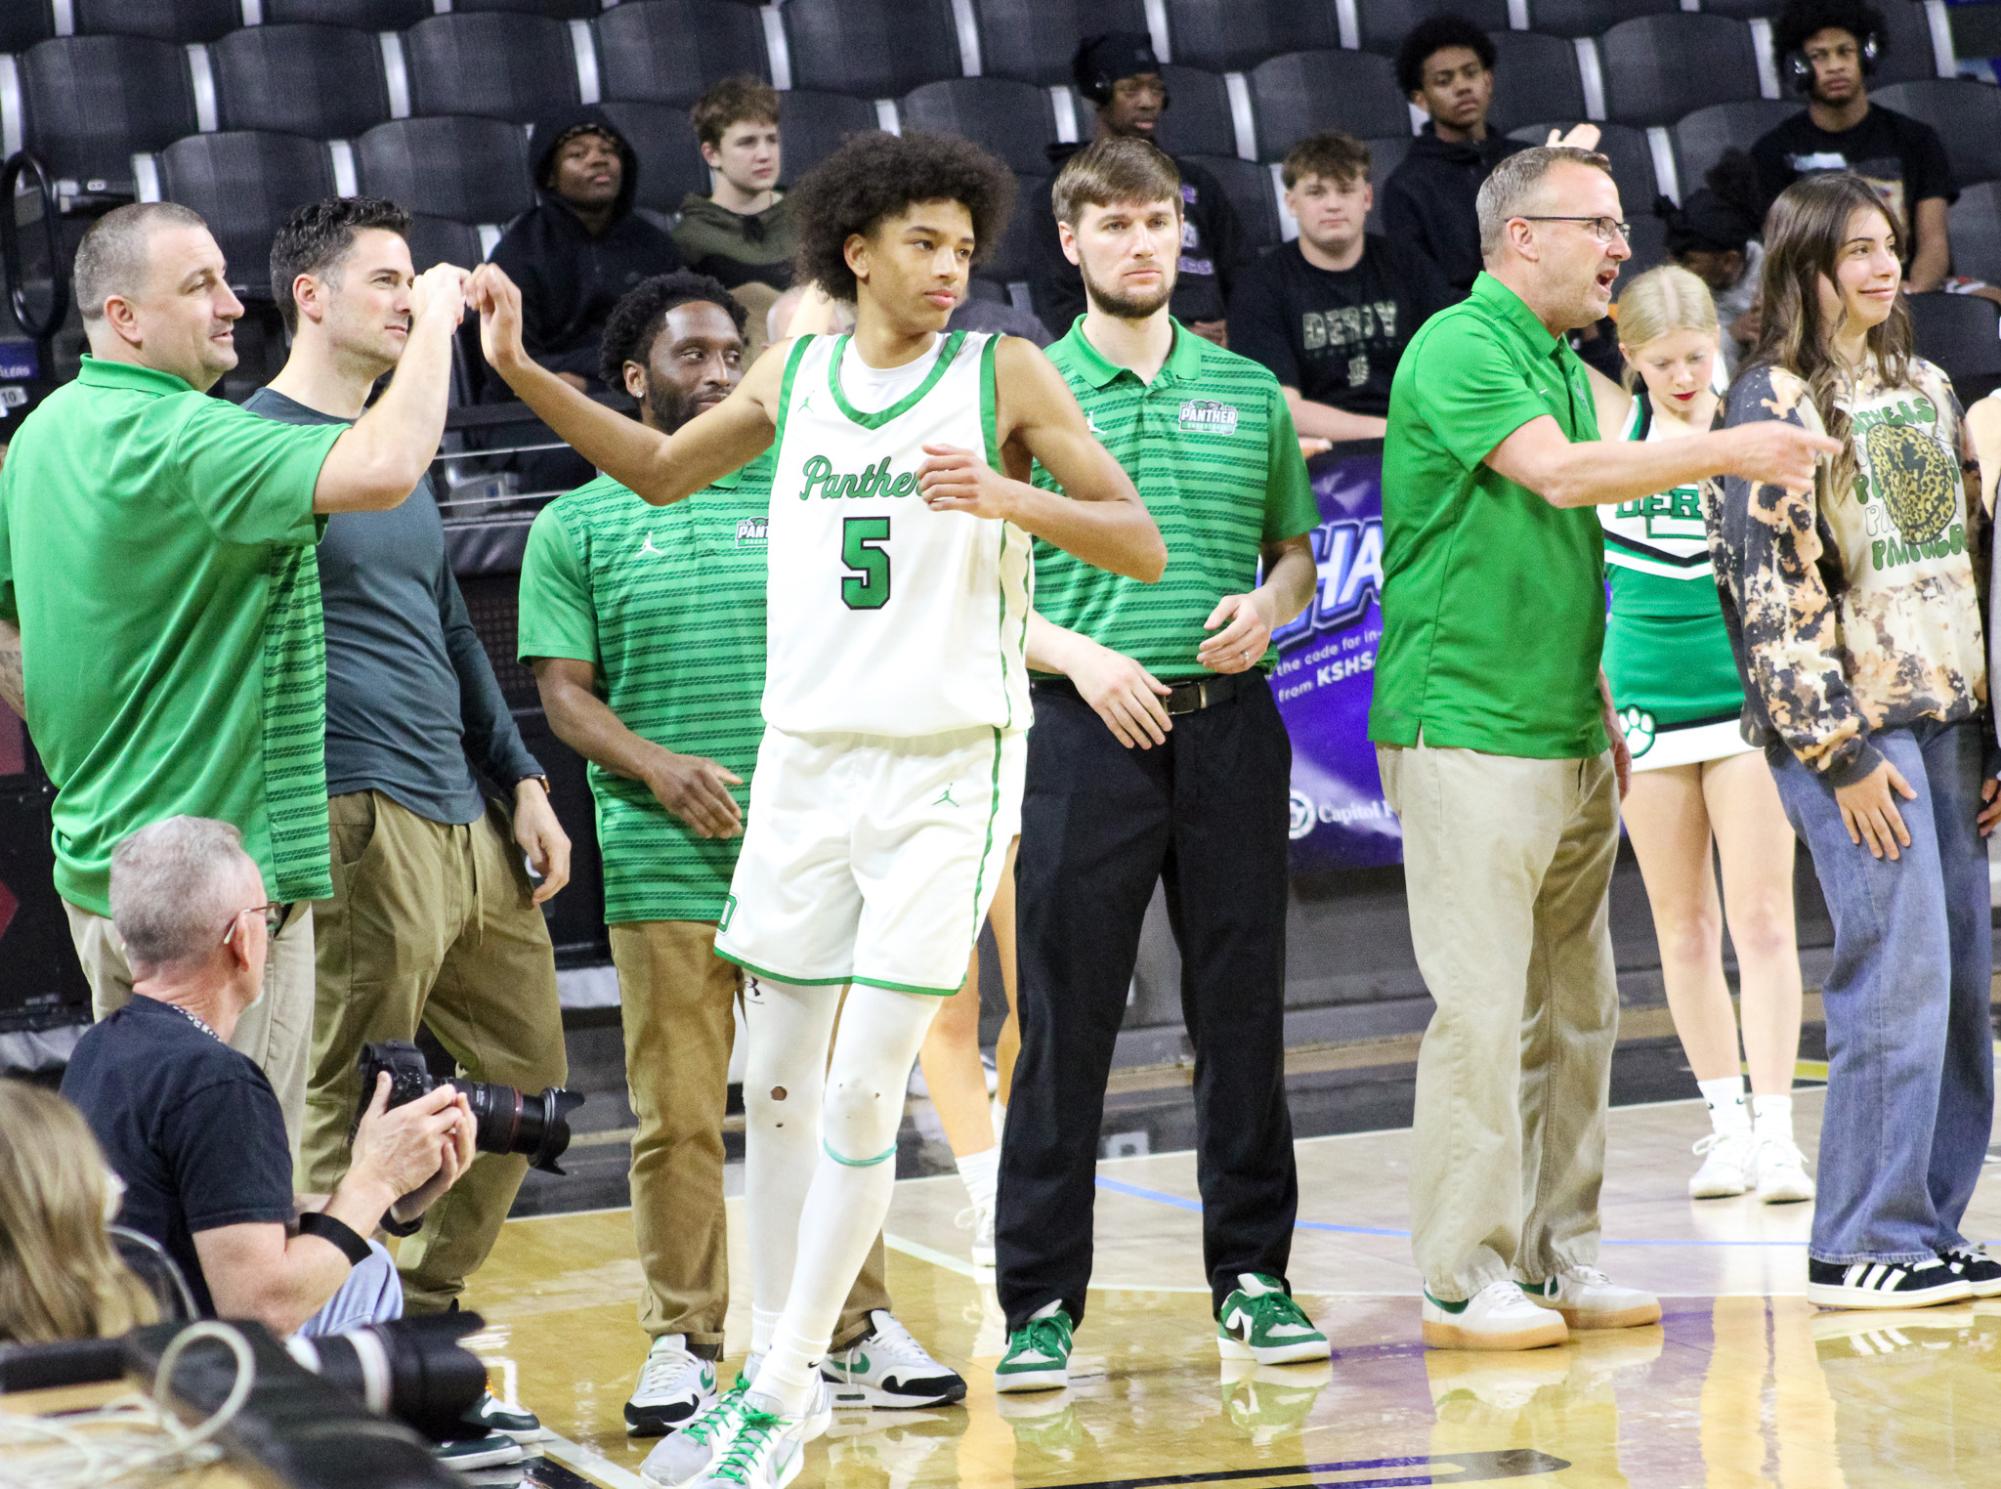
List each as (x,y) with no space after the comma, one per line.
(1975,1267)
(1884,1284)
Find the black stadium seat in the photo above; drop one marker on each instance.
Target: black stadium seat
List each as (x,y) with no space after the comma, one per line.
(470,170)
(1590,17)
(1632,161)
(1197,121)
(1227,37)
(1012,259)
(439,240)
(1384,22)
(503,65)
(245,182)
(813,124)
(93,101)
(1013,119)
(872,48)
(1966,114)
(562,10)
(670,161)
(25,22)
(1036,40)
(670,51)
(1658,68)
(372,15)
(181,21)
(1386,153)
(1962,333)
(1249,187)
(325,81)
(1976,231)
(1302,93)
(1535,77)
(1701,138)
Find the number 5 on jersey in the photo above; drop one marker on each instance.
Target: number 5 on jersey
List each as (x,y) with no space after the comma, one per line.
(866,586)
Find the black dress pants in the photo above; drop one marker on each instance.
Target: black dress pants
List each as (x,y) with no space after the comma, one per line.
(1207,815)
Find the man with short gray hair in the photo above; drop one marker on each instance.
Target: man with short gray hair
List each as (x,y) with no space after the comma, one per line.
(1498,752)
(159,601)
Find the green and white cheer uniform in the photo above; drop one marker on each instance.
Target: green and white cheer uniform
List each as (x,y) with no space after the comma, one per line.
(1667,654)
(896,704)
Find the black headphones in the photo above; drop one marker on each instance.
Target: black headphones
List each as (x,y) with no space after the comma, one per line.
(1798,67)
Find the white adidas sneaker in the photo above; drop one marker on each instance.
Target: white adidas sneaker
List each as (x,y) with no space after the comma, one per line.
(1588,1299)
(1727,1159)
(1498,1316)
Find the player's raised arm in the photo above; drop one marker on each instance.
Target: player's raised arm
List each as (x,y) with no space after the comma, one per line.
(1098,515)
(661,468)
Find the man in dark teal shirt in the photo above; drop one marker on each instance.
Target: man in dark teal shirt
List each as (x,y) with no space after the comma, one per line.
(433,918)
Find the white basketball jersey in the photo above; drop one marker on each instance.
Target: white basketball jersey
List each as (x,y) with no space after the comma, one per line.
(886,617)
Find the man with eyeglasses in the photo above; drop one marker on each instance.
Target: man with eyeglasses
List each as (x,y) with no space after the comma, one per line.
(192,1128)
(1499,754)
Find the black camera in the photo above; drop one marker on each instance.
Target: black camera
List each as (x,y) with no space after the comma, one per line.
(504,1120)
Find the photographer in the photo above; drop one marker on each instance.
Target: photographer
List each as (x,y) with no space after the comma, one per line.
(193,1129)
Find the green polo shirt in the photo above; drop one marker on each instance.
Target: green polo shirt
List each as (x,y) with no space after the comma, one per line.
(156,551)
(1493,600)
(667,603)
(1211,447)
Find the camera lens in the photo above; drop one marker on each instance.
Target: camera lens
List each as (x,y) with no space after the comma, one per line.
(509,1121)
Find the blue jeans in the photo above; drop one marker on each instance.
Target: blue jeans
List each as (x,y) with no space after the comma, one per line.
(1910,1056)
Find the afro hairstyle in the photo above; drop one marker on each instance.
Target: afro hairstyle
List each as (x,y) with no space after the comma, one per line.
(637,320)
(1800,19)
(1435,35)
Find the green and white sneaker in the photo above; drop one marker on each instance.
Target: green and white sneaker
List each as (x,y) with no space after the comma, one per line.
(1260,1321)
(1038,1356)
(766,1450)
(689,1452)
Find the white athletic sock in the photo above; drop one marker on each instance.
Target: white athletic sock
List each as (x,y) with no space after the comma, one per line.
(763,1324)
(1048,1310)
(1000,1119)
(980,1173)
(1773,1117)
(1727,1110)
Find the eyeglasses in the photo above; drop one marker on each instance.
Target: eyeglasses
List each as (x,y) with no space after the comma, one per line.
(273,913)
(1605,229)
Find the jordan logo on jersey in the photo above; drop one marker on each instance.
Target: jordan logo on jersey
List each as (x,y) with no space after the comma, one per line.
(819,478)
(647,550)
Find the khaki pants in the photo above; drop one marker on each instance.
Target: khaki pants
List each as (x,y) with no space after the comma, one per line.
(676,997)
(276,1031)
(430,923)
(1507,863)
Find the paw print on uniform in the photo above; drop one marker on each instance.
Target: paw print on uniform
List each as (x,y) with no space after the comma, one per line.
(1638,726)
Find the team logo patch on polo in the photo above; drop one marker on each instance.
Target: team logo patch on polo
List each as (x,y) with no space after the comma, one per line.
(752,532)
(1206,416)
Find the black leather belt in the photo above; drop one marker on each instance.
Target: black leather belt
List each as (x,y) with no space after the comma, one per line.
(1189,696)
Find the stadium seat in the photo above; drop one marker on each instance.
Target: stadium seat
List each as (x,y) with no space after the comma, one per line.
(244,182)
(1303,93)
(562,10)
(470,170)
(1013,119)
(812,126)
(1590,17)
(1966,114)
(439,240)
(503,65)
(1648,242)
(670,161)
(324,81)
(1386,22)
(182,21)
(669,51)
(24,23)
(1386,153)
(872,48)
(372,15)
(1701,138)
(1962,333)
(1975,224)
(1035,40)
(1251,191)
(1535,77)
(1011,260)
(1240,34)
(1658,68)
(1631,156)
(1198,119)
(94,101)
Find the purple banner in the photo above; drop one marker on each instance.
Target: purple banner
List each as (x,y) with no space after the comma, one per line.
(1326,676)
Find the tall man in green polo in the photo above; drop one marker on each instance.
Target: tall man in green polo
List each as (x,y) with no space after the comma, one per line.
(1159,755)
(646,629)
(1497,751)
(159,596)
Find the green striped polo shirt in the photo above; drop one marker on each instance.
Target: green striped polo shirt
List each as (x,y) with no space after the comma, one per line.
(667,603)
(1211,447)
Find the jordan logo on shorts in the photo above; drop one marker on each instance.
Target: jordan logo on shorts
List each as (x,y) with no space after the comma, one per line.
(945,799)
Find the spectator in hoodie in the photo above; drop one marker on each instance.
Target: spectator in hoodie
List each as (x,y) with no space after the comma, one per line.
(742,232)
(1714,235)
(1446,68)
(1121,75)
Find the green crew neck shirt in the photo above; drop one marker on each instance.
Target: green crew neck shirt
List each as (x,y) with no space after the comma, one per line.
(156,551)
(667,603)
(1493,600)
(1211,447)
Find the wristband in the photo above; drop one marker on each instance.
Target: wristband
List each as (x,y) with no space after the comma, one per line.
(336,1233)
(400,1229)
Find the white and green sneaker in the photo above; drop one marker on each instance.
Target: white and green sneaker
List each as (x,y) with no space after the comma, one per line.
(1260,1321)
(765,1451)
(1038,1356)
(690,1452)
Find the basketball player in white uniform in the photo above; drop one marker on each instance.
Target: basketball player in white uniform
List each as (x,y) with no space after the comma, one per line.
(889,781)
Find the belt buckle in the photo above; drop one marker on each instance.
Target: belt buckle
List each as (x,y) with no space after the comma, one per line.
(1188,697)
